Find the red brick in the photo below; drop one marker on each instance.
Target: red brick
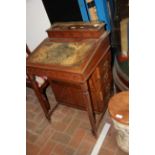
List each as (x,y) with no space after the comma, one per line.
(77,137)
(89,137)
(30,115)
(82,115)
(106,152)
(59,126)
(43,138)
(31,137)
(69,151)
(72,126)
(47,148)
(110,140)
(85,125)
(30,125)
(61,149)
(82,151)
(57,116)
(67,119)
(30,106)
(38,109)
(60,137)
(39,117)
(42,126)
(31,149)
(84,148)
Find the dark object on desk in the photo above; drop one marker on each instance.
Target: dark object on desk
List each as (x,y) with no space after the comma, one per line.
(79,71)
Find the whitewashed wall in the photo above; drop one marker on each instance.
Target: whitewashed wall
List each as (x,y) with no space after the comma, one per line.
(37,23)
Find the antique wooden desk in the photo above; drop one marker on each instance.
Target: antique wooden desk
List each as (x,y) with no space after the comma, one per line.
(76,59)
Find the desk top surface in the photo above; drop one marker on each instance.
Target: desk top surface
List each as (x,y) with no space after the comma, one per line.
(68,58)
(68,54)
(62,53)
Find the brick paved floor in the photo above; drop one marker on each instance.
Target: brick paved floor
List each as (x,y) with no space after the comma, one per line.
(67,134)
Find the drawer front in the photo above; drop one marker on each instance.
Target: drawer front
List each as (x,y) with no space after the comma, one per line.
(105,64)
(68,94)
(100,95)
(101,84)
(102,74)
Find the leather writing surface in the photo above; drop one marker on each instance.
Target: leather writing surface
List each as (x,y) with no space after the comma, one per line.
(66,54)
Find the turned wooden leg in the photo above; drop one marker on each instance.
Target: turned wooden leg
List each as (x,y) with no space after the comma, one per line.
(90,111)
(55,106)
(42,99)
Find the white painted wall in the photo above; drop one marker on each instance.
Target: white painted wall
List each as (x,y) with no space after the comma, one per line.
(37,23)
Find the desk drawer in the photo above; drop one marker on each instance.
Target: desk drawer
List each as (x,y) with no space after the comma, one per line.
(68,94)
(105,64)
(101,84)
(100,92)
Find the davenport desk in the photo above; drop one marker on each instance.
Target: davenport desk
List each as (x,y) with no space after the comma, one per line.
(76,59)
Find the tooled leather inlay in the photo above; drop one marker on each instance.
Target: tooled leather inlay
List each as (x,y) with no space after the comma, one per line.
(67,54)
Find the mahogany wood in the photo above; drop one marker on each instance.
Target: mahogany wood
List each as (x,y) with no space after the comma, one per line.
(39,91)
(86,85)
(76,30)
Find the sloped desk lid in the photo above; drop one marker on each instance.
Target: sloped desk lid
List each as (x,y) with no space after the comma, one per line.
(68,55)
(62,53)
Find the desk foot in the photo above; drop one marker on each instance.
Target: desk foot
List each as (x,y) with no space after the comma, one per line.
(95,133)
(50,112)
